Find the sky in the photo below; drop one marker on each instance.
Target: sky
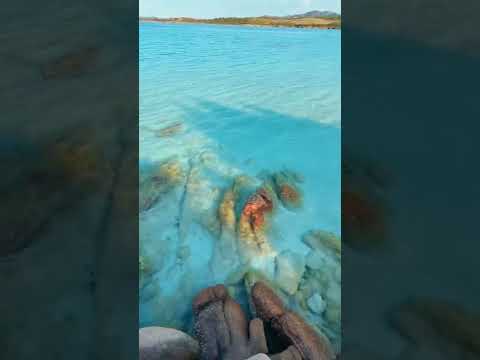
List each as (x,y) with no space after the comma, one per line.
(232,8)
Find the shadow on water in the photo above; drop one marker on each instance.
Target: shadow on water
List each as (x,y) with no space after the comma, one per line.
(261,133)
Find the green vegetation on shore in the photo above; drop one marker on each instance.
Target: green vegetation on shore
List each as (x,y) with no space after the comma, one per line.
(324,22)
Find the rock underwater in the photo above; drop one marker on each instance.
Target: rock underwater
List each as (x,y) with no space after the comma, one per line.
(244,213)
(319,293)
(254,220)
(159,181)
(289,270)
(288,191)
(311,285)
(248,206)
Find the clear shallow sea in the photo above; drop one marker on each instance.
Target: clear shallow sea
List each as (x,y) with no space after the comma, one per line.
(245,100)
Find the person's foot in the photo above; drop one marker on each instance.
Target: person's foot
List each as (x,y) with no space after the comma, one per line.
(305,343)
(222,329)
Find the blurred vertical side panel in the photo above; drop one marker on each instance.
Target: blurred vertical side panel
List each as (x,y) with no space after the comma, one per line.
(410,180)
(69,180)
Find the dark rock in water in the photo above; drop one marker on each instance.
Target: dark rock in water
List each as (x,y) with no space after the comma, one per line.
(254,222)
(159,182)
(158,343)
(289,195)
(287,190)
(256,208)
(226,211)
(170,130)
(319,239)
(166,131)
(294,175)
(289,268)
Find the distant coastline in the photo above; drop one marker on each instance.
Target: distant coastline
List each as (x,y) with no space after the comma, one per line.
(314,19)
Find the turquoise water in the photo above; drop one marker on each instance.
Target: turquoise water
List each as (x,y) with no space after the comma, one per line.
(295,72)
(223,102)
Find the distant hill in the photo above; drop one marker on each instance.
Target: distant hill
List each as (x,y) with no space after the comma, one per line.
(315,14)
(311,19)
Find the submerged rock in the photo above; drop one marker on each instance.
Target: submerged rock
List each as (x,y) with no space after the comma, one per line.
(159,343)
(316,303)
(226,212)
(159,182)
(319,293)
(333,314)
(225,254)
(244,214)
(256,209)
(287,190)
(170,130)
(316,260)
(145,266)
(289,270)
(169,172)
(289,195)
(295,176)
(243,187)
(183,254)
(254,220)
(319,239)
(167,131)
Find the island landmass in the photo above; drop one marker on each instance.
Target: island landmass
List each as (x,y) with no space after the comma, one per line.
(312,19)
